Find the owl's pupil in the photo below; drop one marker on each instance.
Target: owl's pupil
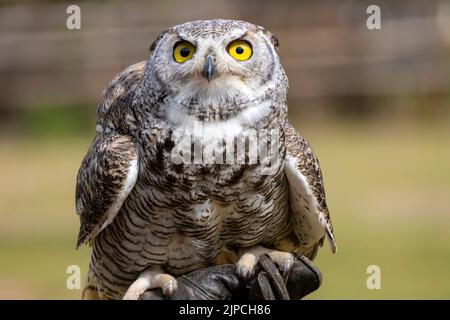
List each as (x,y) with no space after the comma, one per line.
(184,52)
(239,50)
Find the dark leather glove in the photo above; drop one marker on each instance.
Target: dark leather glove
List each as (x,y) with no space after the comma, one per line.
(213,283)
(221,283)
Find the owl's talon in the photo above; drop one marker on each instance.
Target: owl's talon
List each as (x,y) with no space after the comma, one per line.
(133,293)
(245,267)
(168,284)
(151,279)
(284,261)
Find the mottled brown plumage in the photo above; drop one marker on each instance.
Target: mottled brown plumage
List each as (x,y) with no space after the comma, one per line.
(148,216)
(102,176)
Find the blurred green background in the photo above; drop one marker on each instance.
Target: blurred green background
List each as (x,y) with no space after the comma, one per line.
(374,104)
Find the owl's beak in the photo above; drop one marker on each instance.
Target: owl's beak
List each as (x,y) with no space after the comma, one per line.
(209,69)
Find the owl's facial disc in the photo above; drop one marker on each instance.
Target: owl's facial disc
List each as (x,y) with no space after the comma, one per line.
(215,69)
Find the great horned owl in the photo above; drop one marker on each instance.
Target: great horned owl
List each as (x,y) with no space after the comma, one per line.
(150,218)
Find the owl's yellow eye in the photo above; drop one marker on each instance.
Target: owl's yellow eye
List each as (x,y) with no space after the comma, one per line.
(183,51)
(240,50)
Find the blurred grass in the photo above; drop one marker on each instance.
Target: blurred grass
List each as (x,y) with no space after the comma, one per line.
(388,188)
(47,121)
(39,226)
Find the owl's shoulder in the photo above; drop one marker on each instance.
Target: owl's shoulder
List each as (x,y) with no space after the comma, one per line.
(118,93)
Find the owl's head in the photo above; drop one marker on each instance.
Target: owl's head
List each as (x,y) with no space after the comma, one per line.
(214,68)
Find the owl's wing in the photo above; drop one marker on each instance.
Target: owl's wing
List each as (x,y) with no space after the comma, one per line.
(306,194)
(109,170)
(107,175)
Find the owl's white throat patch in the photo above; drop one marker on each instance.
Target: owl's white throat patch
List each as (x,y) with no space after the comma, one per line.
(249,117)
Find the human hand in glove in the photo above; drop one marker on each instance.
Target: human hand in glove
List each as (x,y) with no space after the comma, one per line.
(221,283)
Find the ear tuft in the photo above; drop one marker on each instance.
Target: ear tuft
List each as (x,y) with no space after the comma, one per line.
(275,41)
(155,43)
(272,37)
